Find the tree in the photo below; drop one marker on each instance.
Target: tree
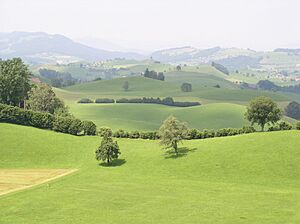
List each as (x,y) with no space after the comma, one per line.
(172,132)
(186,87)
(42,98)
(161,76)
(126,85)
(293,110)
(14,82)
(178,68)
(262,110)
(108,149)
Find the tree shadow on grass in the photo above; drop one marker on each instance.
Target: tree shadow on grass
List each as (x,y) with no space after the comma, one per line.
(183,151)
(114,163)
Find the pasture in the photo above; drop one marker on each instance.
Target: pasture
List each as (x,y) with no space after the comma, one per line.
(251,178)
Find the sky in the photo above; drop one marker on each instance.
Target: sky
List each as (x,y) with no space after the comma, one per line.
(155,24)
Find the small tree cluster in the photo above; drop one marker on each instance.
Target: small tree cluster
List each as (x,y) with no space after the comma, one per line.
(154,75)
(220,67)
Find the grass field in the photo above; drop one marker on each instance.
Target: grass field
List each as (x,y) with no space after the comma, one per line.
(251,178)
(151,116)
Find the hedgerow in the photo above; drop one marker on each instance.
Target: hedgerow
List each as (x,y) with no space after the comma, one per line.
(69,125)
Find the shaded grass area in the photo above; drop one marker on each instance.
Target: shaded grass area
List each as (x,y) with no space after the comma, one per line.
(252,178)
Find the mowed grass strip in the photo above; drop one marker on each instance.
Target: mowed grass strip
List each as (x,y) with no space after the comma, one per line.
(12,180)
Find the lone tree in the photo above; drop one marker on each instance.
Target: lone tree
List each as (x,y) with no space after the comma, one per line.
(186,87)
(178,68)
(262,110)
(108,149)
(172,132)
(14,81)
(126,85)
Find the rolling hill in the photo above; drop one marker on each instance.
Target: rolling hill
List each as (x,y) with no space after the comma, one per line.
(250,178)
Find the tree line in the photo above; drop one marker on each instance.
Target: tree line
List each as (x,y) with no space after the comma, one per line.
(169,101)
(153,75)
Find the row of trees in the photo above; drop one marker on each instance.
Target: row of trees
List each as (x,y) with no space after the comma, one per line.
(153,74)
(169,101)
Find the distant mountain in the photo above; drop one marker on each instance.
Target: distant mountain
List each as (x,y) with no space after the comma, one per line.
(288,50)
(39,47)
(191,54)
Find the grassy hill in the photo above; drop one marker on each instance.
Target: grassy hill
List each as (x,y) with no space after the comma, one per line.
(150,116)
(221,107)
(203,89)
(242,179)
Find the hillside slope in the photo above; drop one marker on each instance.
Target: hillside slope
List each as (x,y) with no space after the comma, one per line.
(252,178)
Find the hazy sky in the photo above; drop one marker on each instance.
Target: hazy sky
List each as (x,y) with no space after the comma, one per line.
(153,24)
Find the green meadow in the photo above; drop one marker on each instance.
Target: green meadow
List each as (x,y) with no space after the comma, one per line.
(251,178)
(221,107)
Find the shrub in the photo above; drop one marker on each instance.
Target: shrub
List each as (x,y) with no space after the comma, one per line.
(62,124)
(104,131)
(134,134)
(281,126)
(70,125)
(120,134)
(85,100)
(89,128)
(298,125)
(41,120)
(75,127)
(104,100)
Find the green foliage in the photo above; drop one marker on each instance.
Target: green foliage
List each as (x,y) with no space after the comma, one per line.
(14,81)
(104,100)
(125,86)
(186,87)
(89,128)
(298,125)
(262,110)
(85,100)
(281,126)
(108,149)
(165,101)
(172,132)
(220,67)
(43,99)
(293,110)
(154,75)
(104,131)
(70,125)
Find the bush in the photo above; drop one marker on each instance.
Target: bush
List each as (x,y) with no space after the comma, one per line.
(134,134)
(104,100)
(62,124)
(75,127)
(281,126)
(166,101)
(120,134)
(41,120)
(298,126)
(104,131)
(89,128)
(70,125)
(85,100)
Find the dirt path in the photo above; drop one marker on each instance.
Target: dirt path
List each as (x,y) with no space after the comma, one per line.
(12,180)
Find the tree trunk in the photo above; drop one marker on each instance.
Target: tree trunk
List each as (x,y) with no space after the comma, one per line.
(175,148)
(262,127)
